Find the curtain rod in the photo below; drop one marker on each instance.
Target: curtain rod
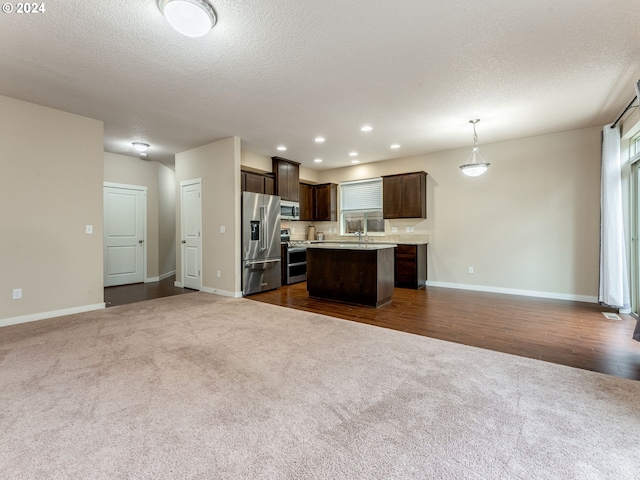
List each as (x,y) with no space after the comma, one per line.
(624,111)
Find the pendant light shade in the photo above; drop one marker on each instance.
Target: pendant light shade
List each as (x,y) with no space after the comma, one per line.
(473,167)
(192,18)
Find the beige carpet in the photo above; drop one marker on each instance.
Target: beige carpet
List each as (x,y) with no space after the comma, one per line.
(203,387)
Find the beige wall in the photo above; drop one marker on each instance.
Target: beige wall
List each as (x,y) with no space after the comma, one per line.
(166,221)
(50,189)
(218,165)
(262,163)
(529,225)
(160,183)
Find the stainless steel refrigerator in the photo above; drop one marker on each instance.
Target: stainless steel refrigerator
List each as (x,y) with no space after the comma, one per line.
(260,242)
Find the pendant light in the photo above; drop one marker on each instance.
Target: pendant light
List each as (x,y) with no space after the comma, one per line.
(473,168)
(192,18)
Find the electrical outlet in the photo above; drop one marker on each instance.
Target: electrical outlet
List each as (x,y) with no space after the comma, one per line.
(218,274)
(17,293)
(470,270)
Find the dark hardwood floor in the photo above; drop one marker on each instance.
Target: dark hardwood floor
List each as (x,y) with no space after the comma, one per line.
(558,331)
(137,292)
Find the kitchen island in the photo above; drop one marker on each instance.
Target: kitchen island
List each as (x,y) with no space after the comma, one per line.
(359,273)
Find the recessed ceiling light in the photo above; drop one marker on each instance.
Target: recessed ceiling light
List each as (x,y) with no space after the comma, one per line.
(395,145)
(192,18)
(367,128)
(355,161)
(318,160)
(141,147)
(282,148)
(319,139)
(353,154)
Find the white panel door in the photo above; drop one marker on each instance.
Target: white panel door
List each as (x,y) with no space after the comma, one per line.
(191,221)
(124,252)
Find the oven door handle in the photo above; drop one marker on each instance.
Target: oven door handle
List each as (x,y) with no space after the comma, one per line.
(260,262)
(297,249)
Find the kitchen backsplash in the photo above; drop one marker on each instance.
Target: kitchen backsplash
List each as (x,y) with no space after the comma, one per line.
(331,231)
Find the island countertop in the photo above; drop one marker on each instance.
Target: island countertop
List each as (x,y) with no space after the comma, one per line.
(351,246)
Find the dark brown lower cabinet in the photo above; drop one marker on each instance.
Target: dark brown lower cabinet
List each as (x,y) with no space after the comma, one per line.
(411,266)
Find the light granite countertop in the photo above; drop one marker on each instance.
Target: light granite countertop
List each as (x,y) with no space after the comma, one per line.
(351,245)
(377,240)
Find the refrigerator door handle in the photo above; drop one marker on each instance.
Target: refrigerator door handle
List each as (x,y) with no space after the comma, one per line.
(266,228)
(262,222)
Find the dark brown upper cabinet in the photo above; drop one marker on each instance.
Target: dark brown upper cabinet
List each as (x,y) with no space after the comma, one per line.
(287,175)
(405,195)
(306,202)
(257,182)
(318,203)
(325,198)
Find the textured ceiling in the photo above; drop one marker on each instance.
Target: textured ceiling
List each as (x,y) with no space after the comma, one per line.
(285,71)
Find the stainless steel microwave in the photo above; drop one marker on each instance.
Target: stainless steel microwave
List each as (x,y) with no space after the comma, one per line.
(289,210)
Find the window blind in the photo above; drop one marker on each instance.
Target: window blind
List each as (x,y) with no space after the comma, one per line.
(361,195)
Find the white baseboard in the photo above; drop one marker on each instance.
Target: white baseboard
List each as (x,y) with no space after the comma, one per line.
(515,291)
(167,275)
(177,284)
(224,293)
(55,313)
(161,277)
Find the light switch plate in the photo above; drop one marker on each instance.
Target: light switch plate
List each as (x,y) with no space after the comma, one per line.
(222,229)
(89,229)
(17,293)
(394,229)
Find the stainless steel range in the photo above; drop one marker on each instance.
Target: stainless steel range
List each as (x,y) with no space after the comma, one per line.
(295,258)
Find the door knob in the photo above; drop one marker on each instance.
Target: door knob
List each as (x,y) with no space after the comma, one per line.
(140,241)
(184,241)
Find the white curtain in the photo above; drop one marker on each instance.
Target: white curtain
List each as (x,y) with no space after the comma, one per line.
(614,282)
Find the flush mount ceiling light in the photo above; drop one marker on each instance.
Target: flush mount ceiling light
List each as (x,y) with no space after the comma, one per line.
(192,18)
(319,139)
(367,128)
(282,148)
(141,147)
(318,160)
(473,168)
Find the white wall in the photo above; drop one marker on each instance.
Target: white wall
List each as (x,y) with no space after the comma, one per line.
(50,189)
(218,165)
(529,225)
